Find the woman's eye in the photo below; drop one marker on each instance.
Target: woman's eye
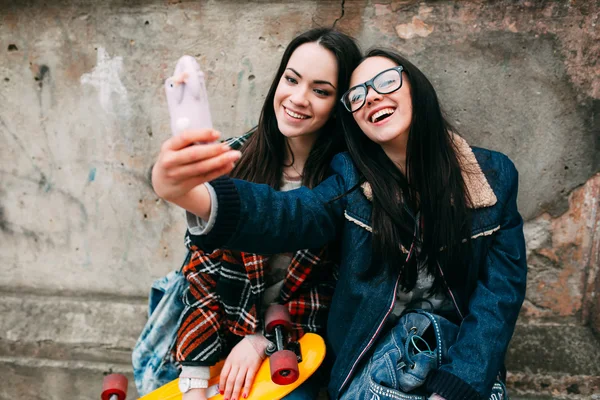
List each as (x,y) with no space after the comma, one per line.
(356,98)
(291,80)
(389,82)
(321,92)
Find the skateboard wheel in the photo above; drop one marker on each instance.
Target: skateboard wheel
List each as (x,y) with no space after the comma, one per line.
(114,385)
(277,314)
(284,367)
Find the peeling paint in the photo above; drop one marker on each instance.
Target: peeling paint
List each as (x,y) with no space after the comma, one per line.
(382,9)
(563,258)
(416,28)
(537,233)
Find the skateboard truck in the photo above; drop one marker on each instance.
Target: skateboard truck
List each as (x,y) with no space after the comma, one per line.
(283,359)
(292,346)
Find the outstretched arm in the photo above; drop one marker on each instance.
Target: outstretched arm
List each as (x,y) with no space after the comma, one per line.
(256,218)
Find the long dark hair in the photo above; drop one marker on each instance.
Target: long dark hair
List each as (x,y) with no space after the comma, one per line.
(433,185)
(264,153)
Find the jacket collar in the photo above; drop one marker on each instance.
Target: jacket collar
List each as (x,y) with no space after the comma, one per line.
(479,189)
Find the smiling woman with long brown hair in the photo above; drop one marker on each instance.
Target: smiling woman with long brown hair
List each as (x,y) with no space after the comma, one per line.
(293,145)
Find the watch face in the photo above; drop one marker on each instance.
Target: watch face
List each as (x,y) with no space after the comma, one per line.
(184,384)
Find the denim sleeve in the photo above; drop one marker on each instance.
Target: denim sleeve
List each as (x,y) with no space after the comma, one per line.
(256,218)
(478,354)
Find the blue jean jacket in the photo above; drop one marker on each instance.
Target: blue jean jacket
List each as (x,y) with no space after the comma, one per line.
(256,218)
(153,365)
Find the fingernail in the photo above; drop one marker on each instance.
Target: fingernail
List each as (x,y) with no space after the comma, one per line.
(222,391)
(245,395)
(216,134)
(226,147)
(235,155)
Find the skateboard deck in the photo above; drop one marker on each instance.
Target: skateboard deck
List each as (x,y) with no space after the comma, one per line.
(312,348)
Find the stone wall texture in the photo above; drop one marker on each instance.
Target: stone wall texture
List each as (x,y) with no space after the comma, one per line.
(83,114)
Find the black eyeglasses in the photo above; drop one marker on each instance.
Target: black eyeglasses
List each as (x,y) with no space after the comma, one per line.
(385,82)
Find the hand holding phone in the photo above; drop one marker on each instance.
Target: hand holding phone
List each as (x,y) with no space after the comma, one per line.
(182,168)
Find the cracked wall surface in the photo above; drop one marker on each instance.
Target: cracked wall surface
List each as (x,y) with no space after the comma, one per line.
(83,114)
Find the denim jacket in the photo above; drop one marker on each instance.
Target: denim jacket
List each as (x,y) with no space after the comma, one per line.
(255,218)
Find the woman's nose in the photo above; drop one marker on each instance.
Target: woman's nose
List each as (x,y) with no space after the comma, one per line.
(300,98)
(372,96)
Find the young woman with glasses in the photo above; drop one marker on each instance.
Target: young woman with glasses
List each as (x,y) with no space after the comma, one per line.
(425,221)
(293,145)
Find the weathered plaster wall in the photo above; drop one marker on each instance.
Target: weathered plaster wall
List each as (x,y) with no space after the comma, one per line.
(82,116)
(563,259)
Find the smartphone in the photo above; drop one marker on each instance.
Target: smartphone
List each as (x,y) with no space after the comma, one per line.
(187,98)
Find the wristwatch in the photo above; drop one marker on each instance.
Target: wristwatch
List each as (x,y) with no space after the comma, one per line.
(185,384)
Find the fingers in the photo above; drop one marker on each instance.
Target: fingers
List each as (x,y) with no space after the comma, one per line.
(187,138)
(217,173)
(230,383)
(223,378)
(242,365)
(239,383)
(242,383)
(170,160)
(203,168)
(249,381)
(191,154)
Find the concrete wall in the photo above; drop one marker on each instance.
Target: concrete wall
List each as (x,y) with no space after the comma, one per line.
(82,116)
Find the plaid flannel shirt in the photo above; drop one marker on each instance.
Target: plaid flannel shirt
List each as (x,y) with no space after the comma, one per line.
(226,288)
(223,303)
(236,143)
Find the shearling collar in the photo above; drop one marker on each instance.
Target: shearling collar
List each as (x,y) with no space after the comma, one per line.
(479,189)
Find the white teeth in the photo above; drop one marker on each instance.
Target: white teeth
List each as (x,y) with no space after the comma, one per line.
(295,115)
(381,113)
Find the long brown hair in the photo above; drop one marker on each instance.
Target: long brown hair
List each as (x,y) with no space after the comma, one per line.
(433,185)
(264,152)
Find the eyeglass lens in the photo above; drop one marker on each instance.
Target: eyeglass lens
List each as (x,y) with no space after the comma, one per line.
(383,83)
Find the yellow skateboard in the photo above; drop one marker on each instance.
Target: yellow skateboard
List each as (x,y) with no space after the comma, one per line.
(312,348)
(287,367)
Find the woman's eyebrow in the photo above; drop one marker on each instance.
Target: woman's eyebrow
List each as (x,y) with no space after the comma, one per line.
(294,71)
(326,83)
(319,82)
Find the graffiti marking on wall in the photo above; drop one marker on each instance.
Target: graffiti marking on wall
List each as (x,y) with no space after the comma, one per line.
(105,78)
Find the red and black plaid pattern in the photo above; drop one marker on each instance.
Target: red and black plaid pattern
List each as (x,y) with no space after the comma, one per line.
(225,294)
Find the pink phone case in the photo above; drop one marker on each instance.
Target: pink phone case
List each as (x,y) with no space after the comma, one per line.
(187,98)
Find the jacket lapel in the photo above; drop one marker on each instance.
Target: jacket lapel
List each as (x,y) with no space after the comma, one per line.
(479,189)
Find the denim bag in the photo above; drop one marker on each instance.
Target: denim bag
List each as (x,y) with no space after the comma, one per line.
(403,358)
(152,361)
